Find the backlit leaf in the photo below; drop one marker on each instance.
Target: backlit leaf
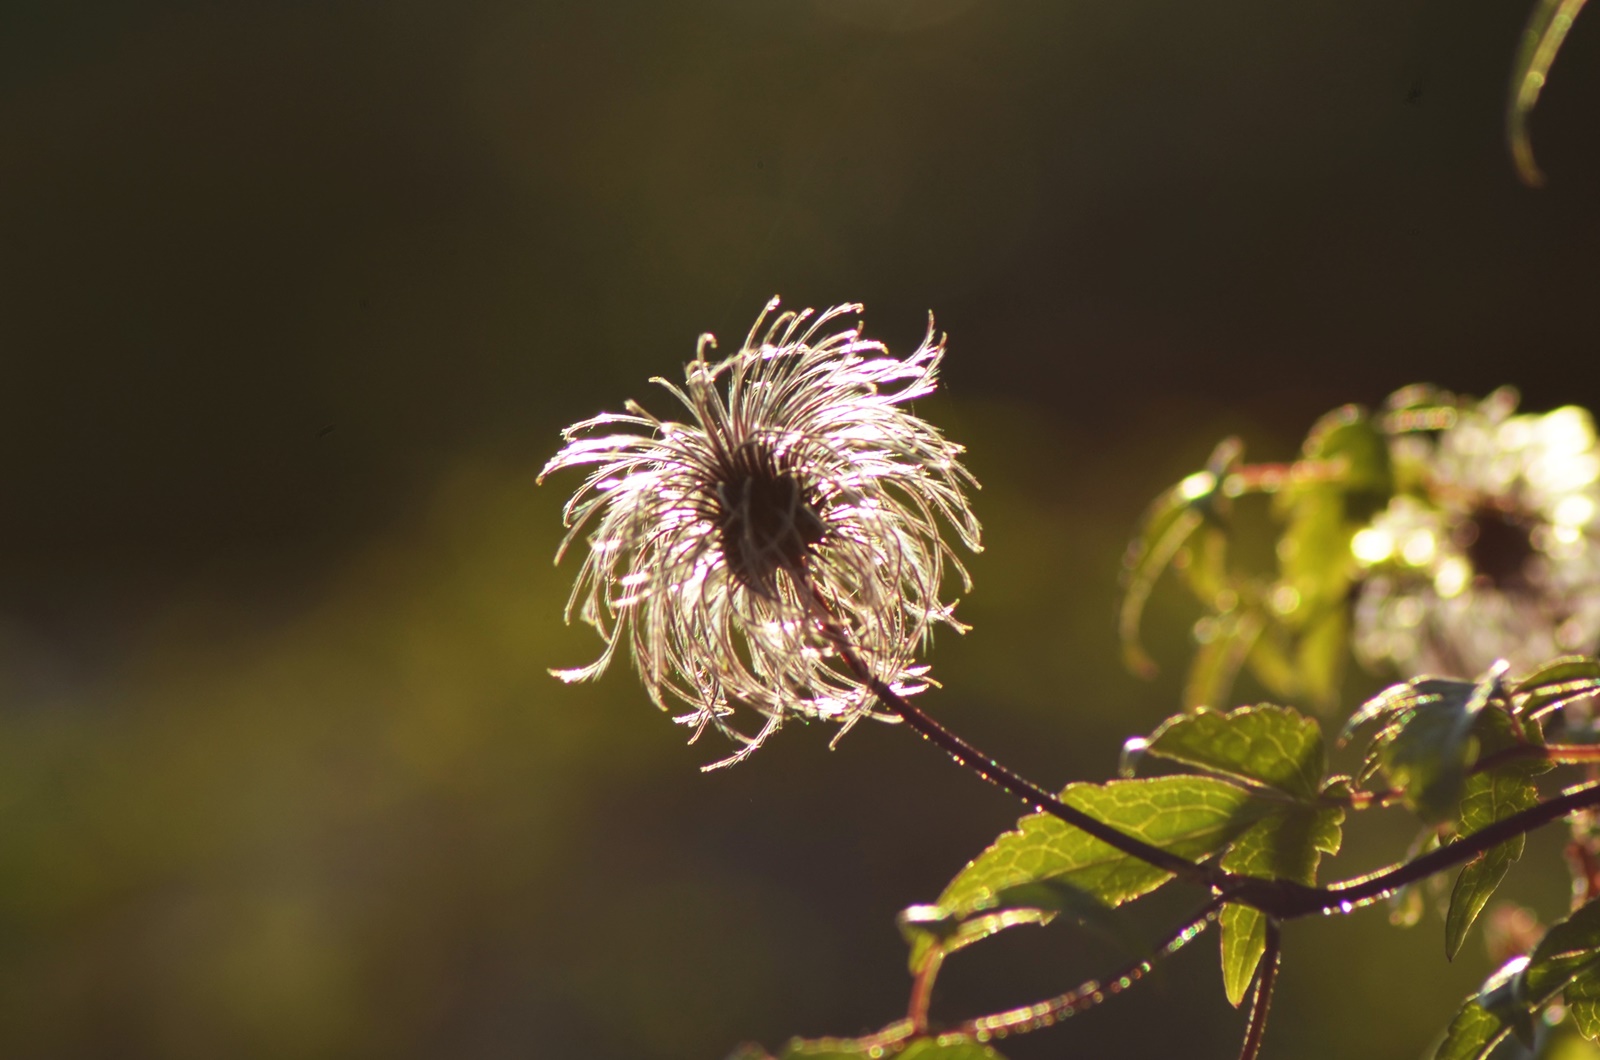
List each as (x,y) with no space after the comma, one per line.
(1486,798)
(1320,656)
(1473,888)
(1286,844)
(1472,1034)
(1323,514)
(1556,684)
(1244,940)
(1189,815)
(1163,532)
(1224,642)
(1583,1004)
(1488,1016)
(1427,737)
(1568,954)
(1567,949)
(1273,746)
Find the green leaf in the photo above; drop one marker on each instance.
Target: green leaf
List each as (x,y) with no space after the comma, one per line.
(1321,655)
(1323,514)
(1488,1016)
(1273,659)
(1473,1034)
(1541,40)
(1393,702)
(1486,798)
(1427,738)
(1476,884)
(1188,815)
(1583,1004)
(1038,903)
(1351,435)
(925,927)
(1287,845)
(1556,684)
(1163,535)
(1427,759)
(1273,746)
(1163,532)
(1224,642)
(1568,953)
(1244,940)
(1567,949)
(1202,562)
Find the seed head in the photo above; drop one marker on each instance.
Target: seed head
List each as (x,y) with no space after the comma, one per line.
(1492,549)
(798,494)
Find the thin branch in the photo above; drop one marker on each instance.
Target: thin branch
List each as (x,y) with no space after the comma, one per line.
(1283,899)
(1287,900)
(1043,1014)
(1003,777)
(1266,978)
(1363,800)
(1563,754)
(989,768)
(922,991)
(1271,478)
(1371,888)
(1280,899)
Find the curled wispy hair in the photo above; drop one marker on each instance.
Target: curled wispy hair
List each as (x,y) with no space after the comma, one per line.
(800,501)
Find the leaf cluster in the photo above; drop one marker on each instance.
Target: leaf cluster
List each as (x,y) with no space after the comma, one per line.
(1288,627)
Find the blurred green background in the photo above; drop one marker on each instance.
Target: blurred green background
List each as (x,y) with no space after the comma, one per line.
(294,298)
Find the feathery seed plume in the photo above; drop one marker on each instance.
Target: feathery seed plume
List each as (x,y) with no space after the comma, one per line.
(799,495)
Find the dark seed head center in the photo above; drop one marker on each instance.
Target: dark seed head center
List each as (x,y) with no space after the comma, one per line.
(1499,547)
(766,517)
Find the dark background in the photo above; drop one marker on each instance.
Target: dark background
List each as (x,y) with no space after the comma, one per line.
(294,298)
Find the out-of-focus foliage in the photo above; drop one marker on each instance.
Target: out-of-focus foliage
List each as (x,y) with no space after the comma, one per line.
(1565,960)
(1541,40)
(1462,751)
(1046,867)
(295,298)
(1290,626)
(1461,755)
(1437,535)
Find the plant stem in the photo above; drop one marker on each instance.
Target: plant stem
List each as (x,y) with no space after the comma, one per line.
(989,768)
(1565,754)
(1287,900)
(1004,778)
(1279,899)
(1043,1014)
(1371,888)
(1282,899)
(1266,978)
(1270,478)
(922,991)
